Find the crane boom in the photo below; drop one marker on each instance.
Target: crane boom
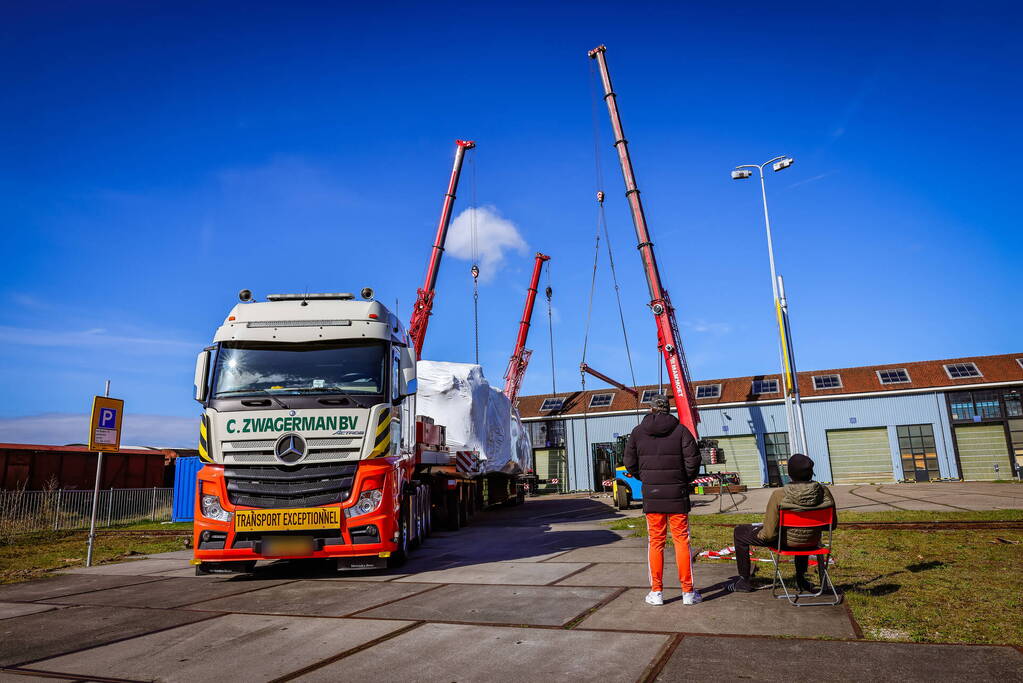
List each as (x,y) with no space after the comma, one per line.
(424,300)
(668,339)
(520,357)
(583,367)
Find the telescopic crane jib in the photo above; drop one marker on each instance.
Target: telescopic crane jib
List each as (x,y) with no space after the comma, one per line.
(520,358)
(424,300)
(668,339)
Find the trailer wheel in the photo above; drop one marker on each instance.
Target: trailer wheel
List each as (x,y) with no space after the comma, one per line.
(463,506)
(427,511)
(451,507)
(416,511)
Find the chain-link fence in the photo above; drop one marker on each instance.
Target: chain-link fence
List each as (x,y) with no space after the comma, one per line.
(24,511)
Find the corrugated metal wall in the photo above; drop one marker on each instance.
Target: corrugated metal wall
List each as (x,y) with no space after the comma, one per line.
(185,470)
(820,417)
(742,455)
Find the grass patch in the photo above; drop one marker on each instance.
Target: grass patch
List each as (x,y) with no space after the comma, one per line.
(35,555)
(954,586)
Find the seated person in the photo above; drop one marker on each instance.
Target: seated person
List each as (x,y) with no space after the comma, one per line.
(802,493)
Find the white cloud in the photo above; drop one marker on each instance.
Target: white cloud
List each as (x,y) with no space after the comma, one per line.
(66,428)
(706,327)
(96,337)
(495,236)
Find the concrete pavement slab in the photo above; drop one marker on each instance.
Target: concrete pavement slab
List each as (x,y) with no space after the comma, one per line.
(811,661)
(498,573)
(635,574)
(66,584)
(167,593)
(315,598)
(526,605)
(9,610)
(47,634)
(6,677)
(610,553)
(172,555)
(721,612)
(133,568)
(492,653)
(234,647)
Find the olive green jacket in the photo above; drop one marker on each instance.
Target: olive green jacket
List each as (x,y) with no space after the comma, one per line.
(799,495)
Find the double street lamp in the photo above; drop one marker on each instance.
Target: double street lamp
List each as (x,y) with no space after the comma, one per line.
(793,406)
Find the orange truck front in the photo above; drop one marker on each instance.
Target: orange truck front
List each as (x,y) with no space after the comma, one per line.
(307,434)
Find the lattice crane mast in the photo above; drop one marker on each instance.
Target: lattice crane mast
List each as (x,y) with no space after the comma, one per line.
(668,339)
(520,358)
(424,300)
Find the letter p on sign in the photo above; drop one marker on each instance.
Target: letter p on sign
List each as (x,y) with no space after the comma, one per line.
(108,418)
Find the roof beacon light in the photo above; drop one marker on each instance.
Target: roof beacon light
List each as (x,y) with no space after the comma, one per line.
(741,174)
(245,295)
(784,163)
(367,293)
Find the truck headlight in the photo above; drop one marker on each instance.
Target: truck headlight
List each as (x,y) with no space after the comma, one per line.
(211,509)
(367,503)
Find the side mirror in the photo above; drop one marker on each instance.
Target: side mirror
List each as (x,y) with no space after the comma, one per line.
(408,384)
(202,368)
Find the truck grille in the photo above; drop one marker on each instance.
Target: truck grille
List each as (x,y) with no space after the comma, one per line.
(287,487)
(261,451)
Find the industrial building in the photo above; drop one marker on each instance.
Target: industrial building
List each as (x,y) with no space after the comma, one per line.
(952,419)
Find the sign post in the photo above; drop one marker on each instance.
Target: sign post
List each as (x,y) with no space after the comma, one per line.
(104,437)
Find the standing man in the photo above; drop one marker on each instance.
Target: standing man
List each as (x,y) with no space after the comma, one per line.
(664,456)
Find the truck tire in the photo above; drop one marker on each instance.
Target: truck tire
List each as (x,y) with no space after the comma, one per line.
(463,506)
(427,511)
(451,507)
(400,555)
(622,498)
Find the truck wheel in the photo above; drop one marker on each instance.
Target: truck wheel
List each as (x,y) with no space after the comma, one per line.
(417,518)
(427,511)
(622,498)
(454,516)
(400,555)
(463,508)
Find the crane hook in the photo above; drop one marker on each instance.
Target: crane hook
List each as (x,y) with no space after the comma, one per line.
(475,271)
(600,197)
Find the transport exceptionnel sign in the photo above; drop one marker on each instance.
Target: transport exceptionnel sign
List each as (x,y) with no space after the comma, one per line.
(249,425)
(105,424)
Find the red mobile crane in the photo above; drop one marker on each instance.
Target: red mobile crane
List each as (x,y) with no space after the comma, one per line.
(424,301)
(520,358)
(668,339)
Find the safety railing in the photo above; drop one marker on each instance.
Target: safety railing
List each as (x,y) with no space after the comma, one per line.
(28,511)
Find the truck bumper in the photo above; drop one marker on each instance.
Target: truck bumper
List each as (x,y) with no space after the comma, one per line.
(364,536)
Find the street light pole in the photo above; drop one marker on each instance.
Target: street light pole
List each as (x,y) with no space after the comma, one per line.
(793,408)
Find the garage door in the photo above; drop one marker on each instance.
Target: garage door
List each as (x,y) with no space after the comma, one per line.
(742,456)
(981,447)
(860,456)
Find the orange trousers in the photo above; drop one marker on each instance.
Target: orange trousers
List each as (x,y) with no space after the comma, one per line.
(657,524)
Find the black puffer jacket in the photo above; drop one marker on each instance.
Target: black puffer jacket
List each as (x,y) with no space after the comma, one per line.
(663,455)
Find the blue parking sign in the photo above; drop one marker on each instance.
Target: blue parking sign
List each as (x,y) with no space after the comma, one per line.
(107,418)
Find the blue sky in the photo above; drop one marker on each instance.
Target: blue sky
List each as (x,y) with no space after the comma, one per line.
(155,158)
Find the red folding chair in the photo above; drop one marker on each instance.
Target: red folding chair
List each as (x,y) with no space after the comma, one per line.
(804,519)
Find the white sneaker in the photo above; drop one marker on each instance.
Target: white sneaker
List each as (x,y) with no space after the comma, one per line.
(692,598)
(654,598)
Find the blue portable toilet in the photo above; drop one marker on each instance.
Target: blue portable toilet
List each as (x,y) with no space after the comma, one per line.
(185,470)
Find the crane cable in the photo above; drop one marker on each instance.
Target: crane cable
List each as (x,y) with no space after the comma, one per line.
(475,270)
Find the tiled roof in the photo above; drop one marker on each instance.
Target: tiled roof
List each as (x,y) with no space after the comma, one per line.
(922,375)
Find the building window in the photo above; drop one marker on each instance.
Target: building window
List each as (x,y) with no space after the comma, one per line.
(919,456)
(827,382)
(987,404)
(764,386)
(648,395)
(776,447)
(982,405)
(547,434)
(962,370)
(1013,405)
(601,400)
(1020,361)
(895,376)
(708,391)
(553,403)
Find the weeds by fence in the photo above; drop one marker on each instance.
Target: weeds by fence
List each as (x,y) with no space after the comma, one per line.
(24,511)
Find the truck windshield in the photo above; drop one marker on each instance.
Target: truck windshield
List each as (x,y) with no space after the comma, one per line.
(313,367)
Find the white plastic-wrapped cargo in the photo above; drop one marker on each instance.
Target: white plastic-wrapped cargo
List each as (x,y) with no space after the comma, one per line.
(478,417)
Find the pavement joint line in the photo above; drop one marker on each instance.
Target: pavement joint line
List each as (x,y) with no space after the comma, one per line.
(655,667)
(43,601)
(819,639)
(346,653)
(495,624)
(215,615)
(603,603)
(922,500)
(874,501)
(43,673)
(251,590)
(559,554)
(569,575)
(404,597)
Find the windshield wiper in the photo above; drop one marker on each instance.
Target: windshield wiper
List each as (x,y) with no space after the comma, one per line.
(255,392)
(333,390)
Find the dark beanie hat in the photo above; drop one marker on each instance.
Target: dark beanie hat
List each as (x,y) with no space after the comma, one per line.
(800,468)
